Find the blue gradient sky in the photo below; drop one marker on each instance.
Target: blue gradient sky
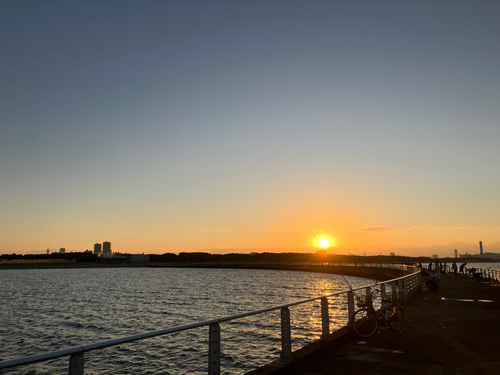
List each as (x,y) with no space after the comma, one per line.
(240,126)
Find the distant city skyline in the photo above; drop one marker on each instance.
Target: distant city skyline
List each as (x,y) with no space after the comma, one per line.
(441,251)
(250,126)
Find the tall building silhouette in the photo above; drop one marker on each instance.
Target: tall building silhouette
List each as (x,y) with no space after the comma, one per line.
(97,248)
(106,248)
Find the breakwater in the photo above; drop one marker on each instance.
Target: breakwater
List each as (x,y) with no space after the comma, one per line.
(370,271)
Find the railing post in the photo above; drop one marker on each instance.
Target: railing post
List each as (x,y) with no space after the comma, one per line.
(76,364)
(368,291)
(394,288)
(286,336)
(214,349)
(405,288)
(325,319)
(350,305)
(382,294)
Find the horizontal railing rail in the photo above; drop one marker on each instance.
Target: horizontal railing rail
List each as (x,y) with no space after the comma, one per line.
(402,287)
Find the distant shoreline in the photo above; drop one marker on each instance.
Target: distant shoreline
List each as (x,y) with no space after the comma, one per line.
(379,273)
(71,265)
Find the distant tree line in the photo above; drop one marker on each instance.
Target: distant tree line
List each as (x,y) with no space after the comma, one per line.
(202,257)
(78,256)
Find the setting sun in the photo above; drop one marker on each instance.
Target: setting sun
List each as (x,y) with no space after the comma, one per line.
(324,243)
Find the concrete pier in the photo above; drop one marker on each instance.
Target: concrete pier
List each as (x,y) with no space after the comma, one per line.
(455,330)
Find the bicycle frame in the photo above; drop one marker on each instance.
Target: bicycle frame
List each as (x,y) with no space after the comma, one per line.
(366,321)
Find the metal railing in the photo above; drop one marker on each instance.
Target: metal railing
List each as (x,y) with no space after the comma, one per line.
(489,273)
(401,287)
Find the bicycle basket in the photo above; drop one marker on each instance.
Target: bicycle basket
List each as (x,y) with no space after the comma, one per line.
(364,301)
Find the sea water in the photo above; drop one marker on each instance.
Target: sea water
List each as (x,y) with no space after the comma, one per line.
(486,265)
(44,310)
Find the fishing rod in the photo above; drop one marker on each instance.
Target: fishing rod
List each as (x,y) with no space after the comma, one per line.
(319,242)
(347,282)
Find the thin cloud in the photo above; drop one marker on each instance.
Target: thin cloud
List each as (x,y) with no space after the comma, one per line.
(283,231)
(377,229)
(416,227)
(450,228)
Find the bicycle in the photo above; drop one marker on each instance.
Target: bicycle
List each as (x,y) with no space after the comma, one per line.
(366,321)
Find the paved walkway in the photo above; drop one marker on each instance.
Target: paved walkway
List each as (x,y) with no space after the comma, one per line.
(453,331)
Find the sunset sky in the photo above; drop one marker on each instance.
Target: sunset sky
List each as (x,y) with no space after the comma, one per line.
(237,126)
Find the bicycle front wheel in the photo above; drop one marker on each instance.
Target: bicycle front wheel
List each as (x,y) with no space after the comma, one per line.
(396,317)
(364,322)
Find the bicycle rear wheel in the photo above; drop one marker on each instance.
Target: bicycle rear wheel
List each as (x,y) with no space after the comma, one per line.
(364,322)
(396,317)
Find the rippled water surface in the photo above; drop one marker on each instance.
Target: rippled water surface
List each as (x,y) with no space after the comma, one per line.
(44,310)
